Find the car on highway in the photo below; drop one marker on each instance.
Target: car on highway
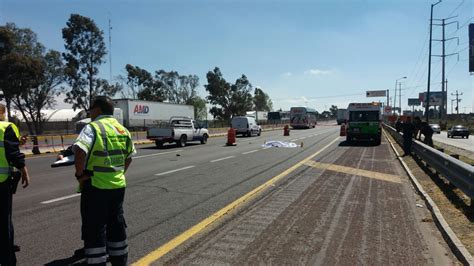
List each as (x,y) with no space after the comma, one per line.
(246,126)
(458,130)
(436,128)
(179,130)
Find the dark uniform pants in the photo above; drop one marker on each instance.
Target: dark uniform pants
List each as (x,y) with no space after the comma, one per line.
(103,225)
(7,253)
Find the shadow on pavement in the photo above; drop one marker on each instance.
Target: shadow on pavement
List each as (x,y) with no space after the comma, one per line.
(358,144)
(76,259)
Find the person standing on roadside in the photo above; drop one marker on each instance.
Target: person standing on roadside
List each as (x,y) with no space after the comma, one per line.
(408,131)
(10,156)
(103,152)
(427,132)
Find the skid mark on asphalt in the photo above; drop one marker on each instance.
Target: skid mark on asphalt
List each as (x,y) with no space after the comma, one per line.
(355,171)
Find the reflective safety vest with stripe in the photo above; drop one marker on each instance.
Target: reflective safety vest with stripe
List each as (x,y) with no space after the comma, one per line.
(106,159)
(5,167)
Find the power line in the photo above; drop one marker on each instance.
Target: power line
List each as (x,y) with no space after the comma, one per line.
(454,10)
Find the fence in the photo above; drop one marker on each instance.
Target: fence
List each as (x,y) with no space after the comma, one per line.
(458,173)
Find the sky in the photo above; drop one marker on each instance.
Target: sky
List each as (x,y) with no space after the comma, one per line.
(301,53)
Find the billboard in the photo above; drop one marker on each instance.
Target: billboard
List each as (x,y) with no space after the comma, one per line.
(414,101)
(435,98)
(471,47)
(376,93)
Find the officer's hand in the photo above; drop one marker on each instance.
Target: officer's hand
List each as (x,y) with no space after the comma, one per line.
(25,178)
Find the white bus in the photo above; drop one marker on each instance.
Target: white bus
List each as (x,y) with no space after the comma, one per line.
(302,117)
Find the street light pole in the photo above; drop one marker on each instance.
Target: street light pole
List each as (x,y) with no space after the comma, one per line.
(427,100)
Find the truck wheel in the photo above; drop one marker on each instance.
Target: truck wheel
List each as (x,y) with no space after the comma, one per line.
(259,133)
(182,141)
(249,133)
(204,139)
(159,143)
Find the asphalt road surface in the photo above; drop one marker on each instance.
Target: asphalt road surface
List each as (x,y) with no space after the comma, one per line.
(466,144)
(172,189)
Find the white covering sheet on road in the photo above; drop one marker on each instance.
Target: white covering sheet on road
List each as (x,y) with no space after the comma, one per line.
(279,144)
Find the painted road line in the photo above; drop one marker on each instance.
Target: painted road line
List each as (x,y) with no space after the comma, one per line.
(175,170)
(61,198)
(222,159)
(155,154)
(294,140)
(250,152)
(303,138)
(355,171)
(180,239)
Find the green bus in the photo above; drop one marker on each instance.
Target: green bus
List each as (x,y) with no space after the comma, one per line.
(364,122)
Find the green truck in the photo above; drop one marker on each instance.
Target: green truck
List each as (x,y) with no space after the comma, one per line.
(364,122)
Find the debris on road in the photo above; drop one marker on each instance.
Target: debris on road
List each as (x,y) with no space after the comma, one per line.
(419,205)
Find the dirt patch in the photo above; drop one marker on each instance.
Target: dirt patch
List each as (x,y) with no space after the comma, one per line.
(453,204)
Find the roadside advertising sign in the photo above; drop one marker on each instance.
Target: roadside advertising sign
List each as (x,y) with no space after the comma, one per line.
(435,98)
(413,101)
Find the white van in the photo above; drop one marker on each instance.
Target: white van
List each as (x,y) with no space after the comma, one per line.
(247,126)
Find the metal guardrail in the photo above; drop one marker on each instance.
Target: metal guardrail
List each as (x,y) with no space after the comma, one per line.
(458,173)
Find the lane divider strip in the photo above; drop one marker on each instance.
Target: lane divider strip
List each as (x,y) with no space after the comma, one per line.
(180,239)
(175,170)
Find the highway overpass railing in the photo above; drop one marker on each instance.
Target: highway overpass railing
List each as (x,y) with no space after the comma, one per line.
(458,173)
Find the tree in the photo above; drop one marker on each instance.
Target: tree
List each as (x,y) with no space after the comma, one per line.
(179,89)
(35,98)
(229,100)
(262,101)
(333,110)
(138,79)
(19,61)
(85,46)
(200,108)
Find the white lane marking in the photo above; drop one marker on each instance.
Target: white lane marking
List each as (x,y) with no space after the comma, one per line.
(250,152)
(61,198)
(175,170)
(294,140)
(221,159)
(155,154)
(303,137)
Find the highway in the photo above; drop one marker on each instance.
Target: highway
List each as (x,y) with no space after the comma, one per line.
(319,210)
(462,143)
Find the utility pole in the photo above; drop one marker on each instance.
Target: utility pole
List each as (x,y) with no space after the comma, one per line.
(110,49)
(457,94)
(427,100)
(443,56)
(452,100)
(395,97)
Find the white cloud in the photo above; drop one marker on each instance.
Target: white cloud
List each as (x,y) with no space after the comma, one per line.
(318,72)
(287,74)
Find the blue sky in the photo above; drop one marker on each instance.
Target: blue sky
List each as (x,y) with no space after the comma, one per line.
(314,53)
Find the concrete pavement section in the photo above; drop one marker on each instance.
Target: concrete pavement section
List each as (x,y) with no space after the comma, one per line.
(349,205)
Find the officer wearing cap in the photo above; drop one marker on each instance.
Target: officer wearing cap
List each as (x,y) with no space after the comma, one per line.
(103,152)
(10,156)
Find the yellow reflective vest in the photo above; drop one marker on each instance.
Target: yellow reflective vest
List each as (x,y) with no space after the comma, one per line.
(106,158)
(5,167)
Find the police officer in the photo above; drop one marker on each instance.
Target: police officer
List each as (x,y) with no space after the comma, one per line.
(10,156)
(103,152)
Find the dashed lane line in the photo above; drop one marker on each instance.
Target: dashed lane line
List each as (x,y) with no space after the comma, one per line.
(248,152)
(61,198)
(175,170)
(222,159)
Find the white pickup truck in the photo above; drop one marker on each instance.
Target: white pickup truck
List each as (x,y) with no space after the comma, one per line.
(178,129)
